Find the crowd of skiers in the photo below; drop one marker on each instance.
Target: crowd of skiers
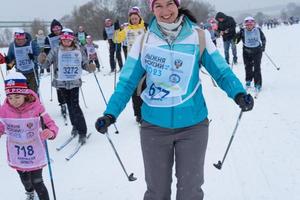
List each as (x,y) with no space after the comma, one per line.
(160,74)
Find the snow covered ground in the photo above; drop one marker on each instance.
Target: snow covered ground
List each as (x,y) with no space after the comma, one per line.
(262,164)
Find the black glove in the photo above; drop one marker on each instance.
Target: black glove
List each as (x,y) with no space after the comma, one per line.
(263,49)
(245,101)
(104,122)
(31,56)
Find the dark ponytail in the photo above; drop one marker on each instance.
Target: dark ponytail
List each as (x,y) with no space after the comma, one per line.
(186,12)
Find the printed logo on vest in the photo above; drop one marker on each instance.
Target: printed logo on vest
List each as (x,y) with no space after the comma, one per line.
(178,63)
(174,78)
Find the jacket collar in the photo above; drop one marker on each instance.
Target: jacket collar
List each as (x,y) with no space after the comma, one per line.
(187,29)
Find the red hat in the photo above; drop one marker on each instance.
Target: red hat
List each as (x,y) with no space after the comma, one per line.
(16,83)
(67,34)
(20,34)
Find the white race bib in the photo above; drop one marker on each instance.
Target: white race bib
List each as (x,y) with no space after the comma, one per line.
(168,76)
(69,65)
(24,63)
(25,149)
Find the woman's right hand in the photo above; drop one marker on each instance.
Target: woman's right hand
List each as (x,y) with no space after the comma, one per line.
(104,122)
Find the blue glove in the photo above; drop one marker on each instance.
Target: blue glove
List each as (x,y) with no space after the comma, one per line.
(104,122)
(245,101)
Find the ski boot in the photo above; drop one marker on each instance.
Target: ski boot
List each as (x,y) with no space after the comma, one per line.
(30,195)
(82,139)
(248,85)
(74,132)
(257,88)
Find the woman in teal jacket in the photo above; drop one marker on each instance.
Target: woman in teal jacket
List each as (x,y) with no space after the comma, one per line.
(174,112)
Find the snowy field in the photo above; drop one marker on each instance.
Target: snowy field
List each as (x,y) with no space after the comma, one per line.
(262,164)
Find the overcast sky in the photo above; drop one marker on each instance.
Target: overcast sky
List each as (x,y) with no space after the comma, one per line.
(49,9)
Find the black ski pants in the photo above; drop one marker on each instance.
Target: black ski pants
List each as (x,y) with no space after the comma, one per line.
(252,60)
(71,97)
(115,48)
(33,181)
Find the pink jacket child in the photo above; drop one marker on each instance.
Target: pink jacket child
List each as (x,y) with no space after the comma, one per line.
(20,121)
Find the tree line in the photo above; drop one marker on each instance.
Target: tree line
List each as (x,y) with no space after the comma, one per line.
(92,14)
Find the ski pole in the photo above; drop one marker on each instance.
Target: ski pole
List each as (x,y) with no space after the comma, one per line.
(83,97)
(2,73)
(51,88)
(129,177)
(220,164)
(115,76)
(48,160)
(37,82)
(278,68)
(100,60)
(117,131)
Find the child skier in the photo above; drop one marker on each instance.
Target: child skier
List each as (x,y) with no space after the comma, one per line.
(254,45)
(20,121)
(81,36)
(68,60)
(91,47)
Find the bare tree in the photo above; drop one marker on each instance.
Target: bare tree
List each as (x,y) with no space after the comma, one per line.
(93,14)
(37,25)
(201,10)
(6,37)
(122,7)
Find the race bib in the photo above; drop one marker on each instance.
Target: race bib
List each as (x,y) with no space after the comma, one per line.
(69,65)
(24,63)
(25,149)
(54,41)
(168,76)
(91,51)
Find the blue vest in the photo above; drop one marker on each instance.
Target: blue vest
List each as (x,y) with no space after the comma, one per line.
(110,32)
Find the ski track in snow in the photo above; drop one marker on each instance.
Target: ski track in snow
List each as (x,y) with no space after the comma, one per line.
(262,163)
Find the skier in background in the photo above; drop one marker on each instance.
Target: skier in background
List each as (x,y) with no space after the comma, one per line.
(114,43)
(81,36)
(135,28)
(226,28)
(68,79)
(22,54)
(91,47)
(254,44)
(51,42)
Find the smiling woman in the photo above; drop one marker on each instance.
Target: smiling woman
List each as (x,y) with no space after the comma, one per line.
(174,126)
